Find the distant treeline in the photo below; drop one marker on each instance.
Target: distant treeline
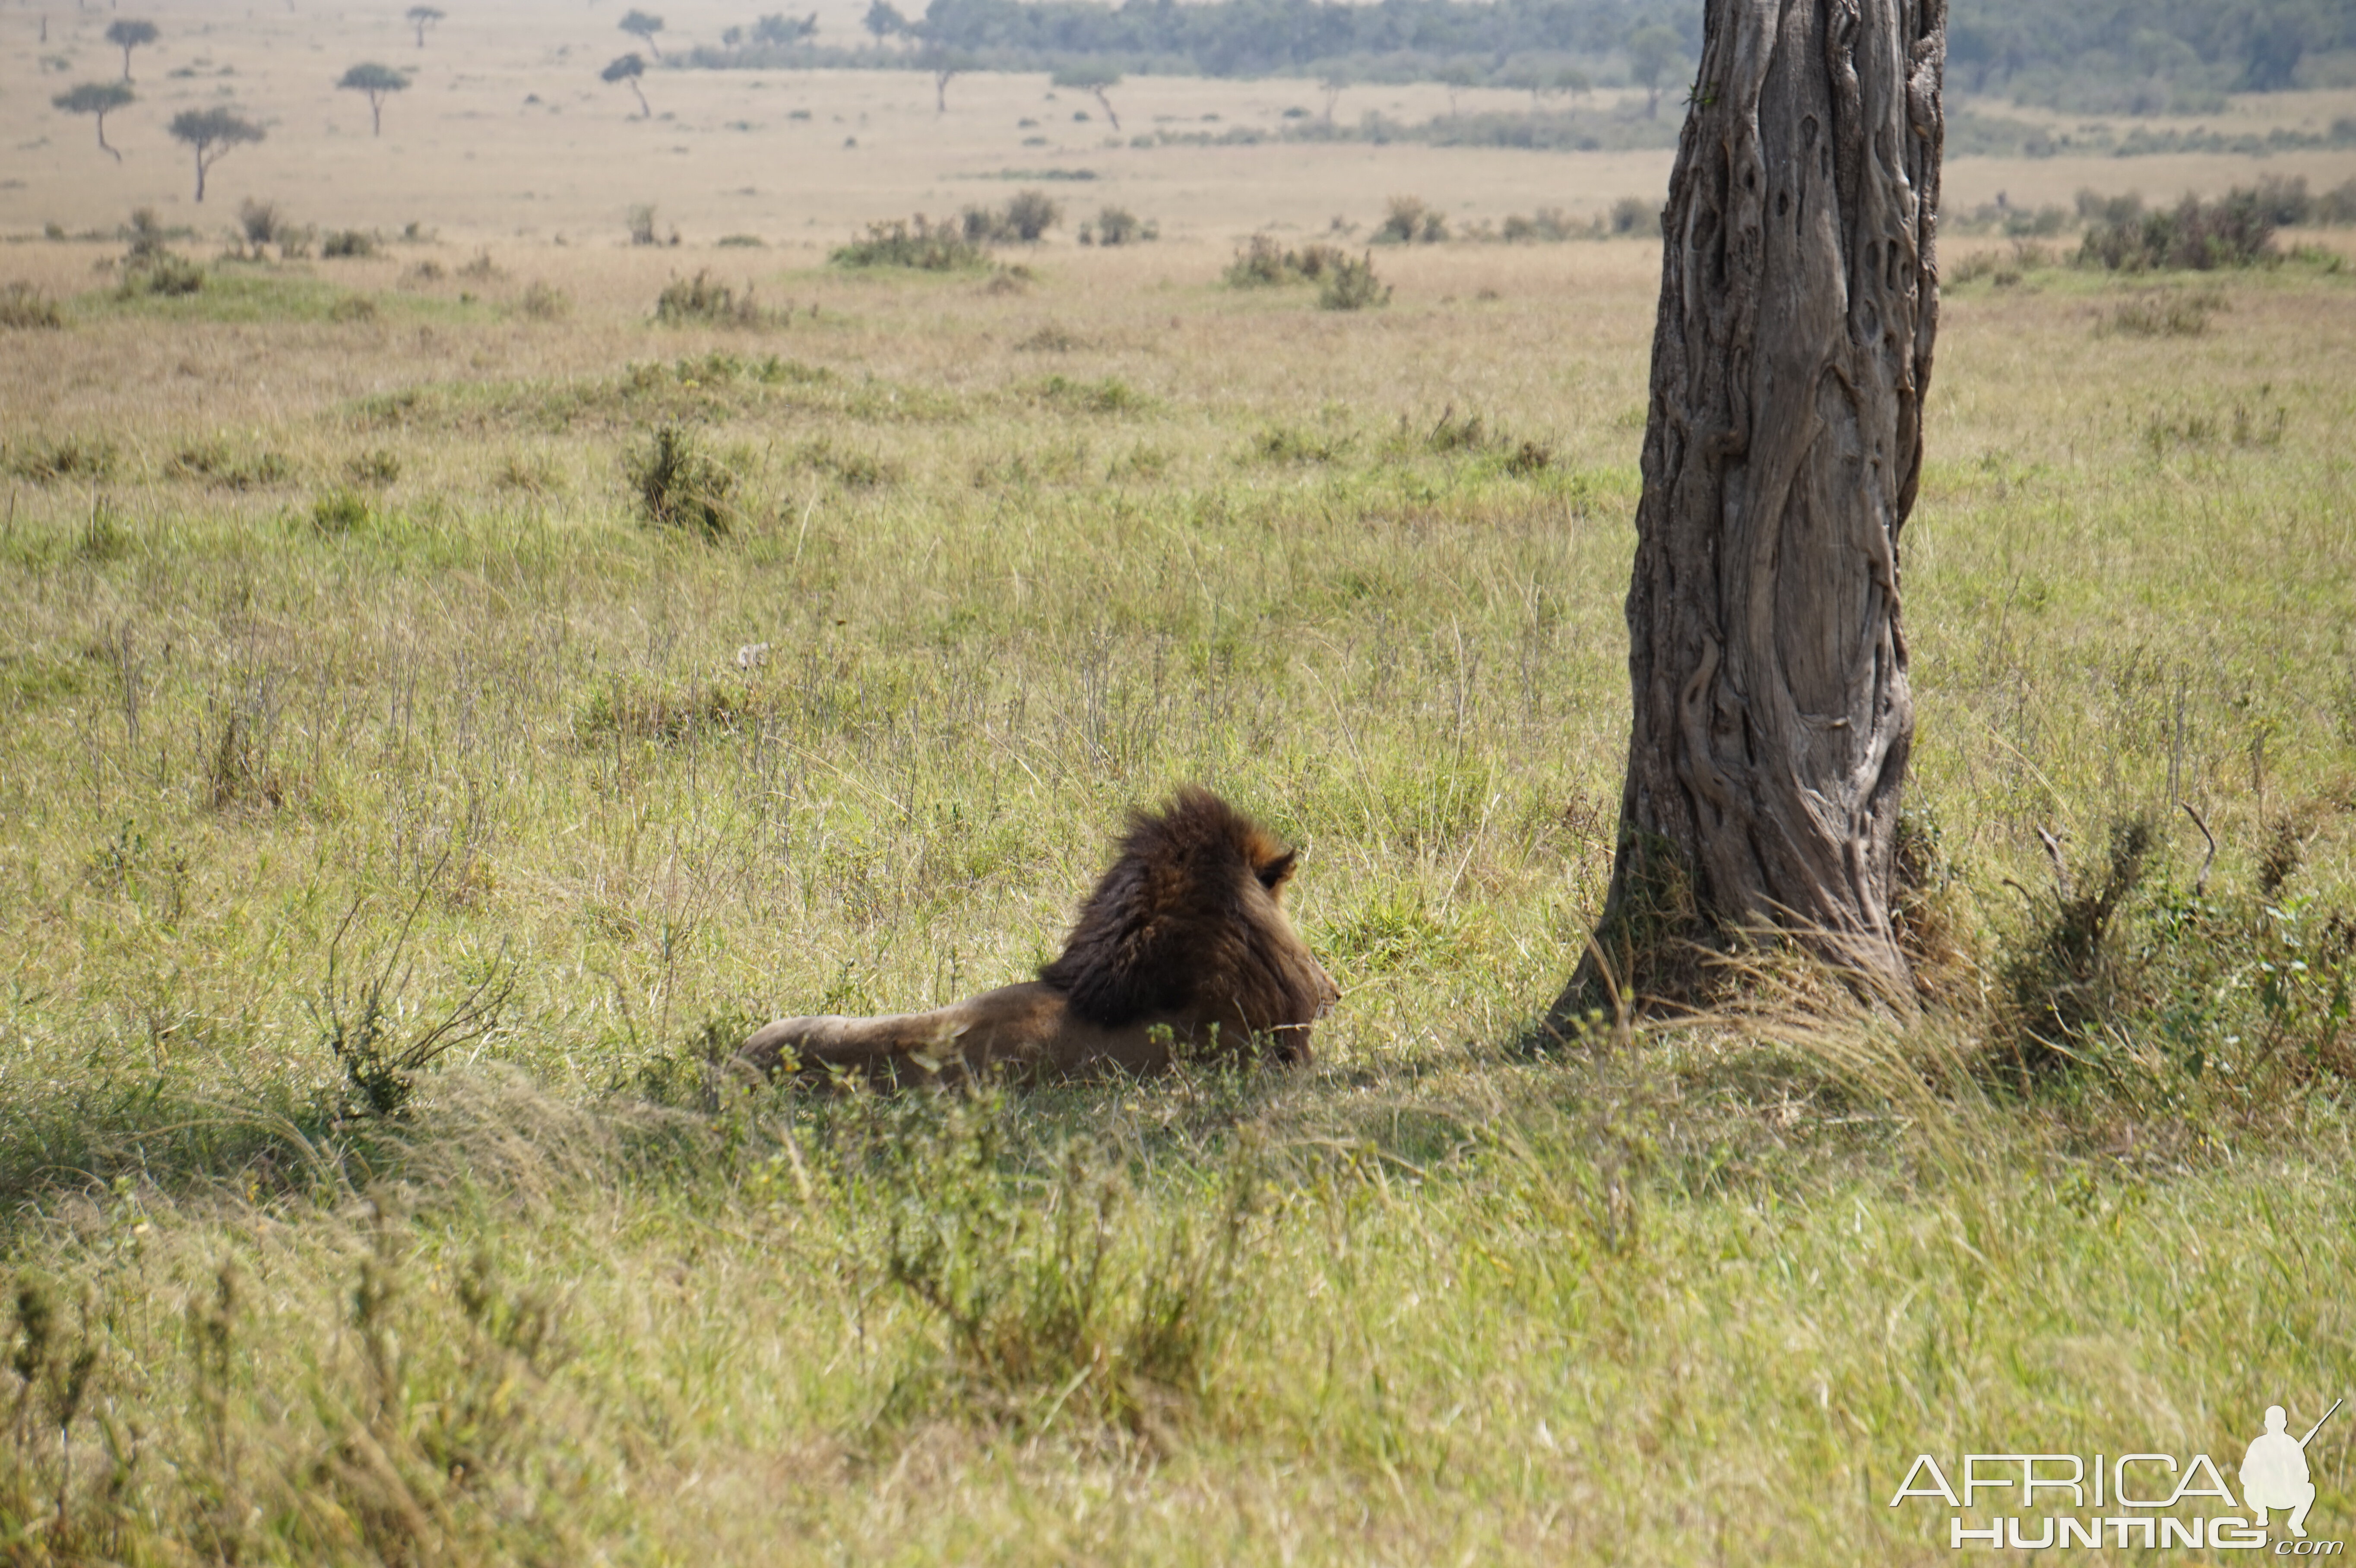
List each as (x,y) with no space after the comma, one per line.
(2139,56)
(1388,41)
(2113,56)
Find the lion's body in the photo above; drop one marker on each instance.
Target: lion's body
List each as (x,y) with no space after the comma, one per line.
(1182,949)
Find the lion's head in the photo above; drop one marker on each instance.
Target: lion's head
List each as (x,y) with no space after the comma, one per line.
(1190,918)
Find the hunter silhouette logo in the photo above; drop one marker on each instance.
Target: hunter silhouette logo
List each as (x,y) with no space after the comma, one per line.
(2124,1494)
(2274,1471)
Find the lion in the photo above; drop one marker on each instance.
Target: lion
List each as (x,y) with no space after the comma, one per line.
(1183,950)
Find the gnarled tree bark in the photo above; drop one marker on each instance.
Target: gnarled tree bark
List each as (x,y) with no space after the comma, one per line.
(1799,300)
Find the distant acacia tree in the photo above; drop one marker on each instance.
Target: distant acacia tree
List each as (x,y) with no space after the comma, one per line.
(379,81)
(98,97)
(883,20)
(127,35)
(643,26)
(422,17)
(1652,50)
(1332,85)
(1455,76)
(778,28)
(945,64)
(1094,78)
(210,133)
(626,70)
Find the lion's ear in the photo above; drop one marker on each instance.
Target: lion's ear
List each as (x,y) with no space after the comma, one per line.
(1275,873)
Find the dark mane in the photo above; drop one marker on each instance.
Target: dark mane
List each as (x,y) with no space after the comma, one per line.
(1179,921)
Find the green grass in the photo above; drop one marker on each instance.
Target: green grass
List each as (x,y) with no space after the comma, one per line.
(1703,1289)
(241,294)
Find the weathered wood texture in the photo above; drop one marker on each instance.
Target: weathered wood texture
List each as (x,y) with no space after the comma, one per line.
(1799,299)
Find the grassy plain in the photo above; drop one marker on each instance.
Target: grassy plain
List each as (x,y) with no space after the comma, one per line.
(329,619)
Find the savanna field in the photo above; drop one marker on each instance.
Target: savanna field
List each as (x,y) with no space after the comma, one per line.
(452,691)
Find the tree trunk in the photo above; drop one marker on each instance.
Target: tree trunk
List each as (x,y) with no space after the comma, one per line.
(1799,299)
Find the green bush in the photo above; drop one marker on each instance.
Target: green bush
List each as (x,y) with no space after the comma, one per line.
(1024,221)
(1634,215)
(918,243)
(161,272)
(23,304)
(75,457)
(1117,226)
(679,487)
(1352,285)
(2237,229)
(213,463)
(2123,972)
(339,512)
(1263,263)
(1409,220)
(704,300)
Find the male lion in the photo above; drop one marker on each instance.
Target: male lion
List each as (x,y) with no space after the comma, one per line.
(1182,947)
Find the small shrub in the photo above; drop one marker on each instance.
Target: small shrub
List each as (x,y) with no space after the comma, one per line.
(638,711)
(163,274)
(75,457)
(1352,285)
(482,269)
(543,301)
(2159,988)
(353,307)
(705,300)
(2236,231)
(1409,219)
(1109,396)
(1291,444)
(213,463)
(679,487)
(147,238)
(1030,214)
(1263,263)
(339,512)
(1117,226)
(1024,221)
(383,1041)
(742,242)
(1634,215)
(1548,223)
(23,304)
(532,473)
(376,467)
(261,223)
(2337,205)
(2165,315)
(854,469)
(347,244)
(642,224)
(2097,209)
(919,244)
